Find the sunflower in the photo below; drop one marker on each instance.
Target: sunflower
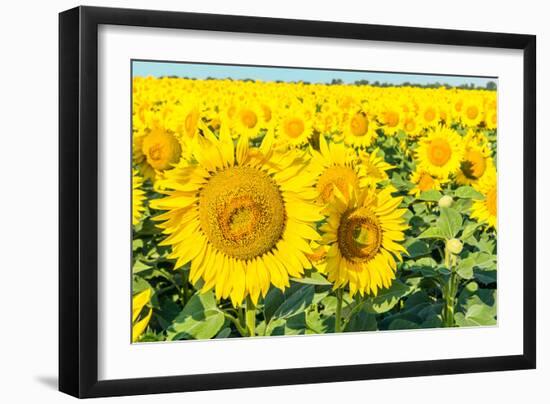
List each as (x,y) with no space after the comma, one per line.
(362,234)
(334,167)
(440,152)
(295,125)
(242,216)
(486,210)
(428,114)
(477,158)
(359,129)
(138,196)
(391,117)
(423,181)
(162,150)
(373,168)
(472,111)
(139,301)
(249,119)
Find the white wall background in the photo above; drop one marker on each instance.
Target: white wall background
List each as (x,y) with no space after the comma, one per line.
(28,200)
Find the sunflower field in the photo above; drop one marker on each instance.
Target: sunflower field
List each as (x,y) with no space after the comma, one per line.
(277,208)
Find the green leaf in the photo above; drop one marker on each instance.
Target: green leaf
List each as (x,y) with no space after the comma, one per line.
(296,303)
(449,222)
(402,324)
(137,244)
(479,260)
(485,277)
(432,232)
(431,196)
(140,266)
(362,321)
(465,268)
(315,278)
(484,260)
(418,248)
(199,319)
(272,302)
(469,231)
(319,323)
(467,192)
(476,315)
(226,332)
(387,298)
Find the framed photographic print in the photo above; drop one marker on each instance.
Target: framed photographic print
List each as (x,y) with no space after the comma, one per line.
(251,201)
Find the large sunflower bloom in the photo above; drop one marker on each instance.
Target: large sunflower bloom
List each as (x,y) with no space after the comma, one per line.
(242,216)
(440,152)
(363,236)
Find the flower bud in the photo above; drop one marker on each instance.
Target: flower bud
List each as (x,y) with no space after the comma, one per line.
(445,201)
(454,246)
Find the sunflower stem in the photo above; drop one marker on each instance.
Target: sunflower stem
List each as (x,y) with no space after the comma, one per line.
(185,286)
(250,317)
(449,292)
(338,320)
(237,324)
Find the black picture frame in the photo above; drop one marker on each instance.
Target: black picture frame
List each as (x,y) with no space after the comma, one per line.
(78,200)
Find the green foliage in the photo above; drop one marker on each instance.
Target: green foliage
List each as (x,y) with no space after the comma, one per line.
(199,319)
(427,279)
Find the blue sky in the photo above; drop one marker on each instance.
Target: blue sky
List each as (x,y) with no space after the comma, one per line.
(202,71)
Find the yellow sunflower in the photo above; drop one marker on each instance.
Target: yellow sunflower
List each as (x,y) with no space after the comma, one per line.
(423,181)
(472,111)
(138,197)
(249,119)
(334,167)
(486,210)
(162,150)
(363,236)
(242,216)
(373,168)
(359,129)
(440,152)
(139,301)
(477,158)
(295,125)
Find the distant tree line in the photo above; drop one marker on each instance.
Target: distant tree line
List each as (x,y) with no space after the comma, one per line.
(491,85)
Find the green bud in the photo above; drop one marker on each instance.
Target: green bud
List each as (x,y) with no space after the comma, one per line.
(445,201)
(454,246)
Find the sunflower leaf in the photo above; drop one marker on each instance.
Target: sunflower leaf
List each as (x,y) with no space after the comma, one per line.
(388,298)
(296,303)
(199,319)
(432,232)
(467,192)
(430,196)
(449,222)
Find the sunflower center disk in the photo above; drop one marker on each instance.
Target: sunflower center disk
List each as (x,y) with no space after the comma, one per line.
(359,124)
(474,165)
(471,112)
(426,182)
(392,118)
(439,152)
(242,212)
(249,118)
(339,177)
(429,114)
(359,235)
(294,127)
